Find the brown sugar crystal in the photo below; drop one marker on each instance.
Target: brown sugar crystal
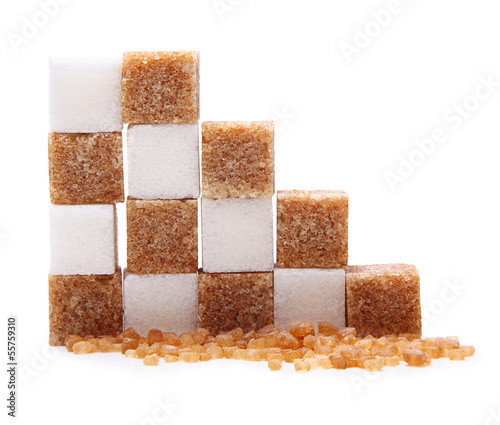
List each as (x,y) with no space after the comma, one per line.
(383,299)
(160,87)
(162,236)
(85,168)
(312,229)
(83,305)
(230,300)
(237,159)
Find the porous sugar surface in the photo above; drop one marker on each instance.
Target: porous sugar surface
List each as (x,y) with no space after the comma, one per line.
(237,159)
(230,300)
(85,168)
(312,229)
(162,236)
(383,299)
(84,305)
(160,87)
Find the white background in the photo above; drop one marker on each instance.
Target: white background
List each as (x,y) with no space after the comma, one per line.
(351,120)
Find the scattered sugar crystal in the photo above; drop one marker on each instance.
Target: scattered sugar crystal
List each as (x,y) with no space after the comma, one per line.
(189,357)
(82,305)
(163,161)
(162,236)
(312,228)
(154,335)
(301,365)
(469,350)
(170,359)
(129,344)
(237,159)
(457,354)
(414,357)
(383,299)
(71,340)
(160,87)
(301,329)
(309,294)
(374,365)
(237,235)
(161,301)
(82,239)
(85,168)
(274,364)
(151,360)
(85,95)
(229,300)
(131,354)
(337,361)
(82,347)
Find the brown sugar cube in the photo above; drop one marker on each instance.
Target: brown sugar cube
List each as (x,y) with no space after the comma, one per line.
(85,168)
(383,299)
(162,236)
(160,87)
(84,304)
(229,300)
(312,228)
(237,159)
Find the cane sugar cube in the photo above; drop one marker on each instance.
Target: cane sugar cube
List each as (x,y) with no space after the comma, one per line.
(237,235)
(314,295)
(82,239)
(230,300)
(162,236)
(163,161)
(85,168)
(85,305)
(85,95)
(237,159)
(161,87)
(312,229)
(383,299)
(168,302)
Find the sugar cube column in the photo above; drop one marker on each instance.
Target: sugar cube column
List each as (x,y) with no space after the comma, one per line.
(86,182)
(236,287)
(160,101)
(312,246)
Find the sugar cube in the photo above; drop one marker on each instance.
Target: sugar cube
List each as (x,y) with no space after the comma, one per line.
(85,168)
(163,161)
(162,236)
(313,295)
(82,239)
(84,305)
(85,95)
(237,235)
(312,229)
(383,299)
(237,159)
(230,300)
(161,87)
(168,302)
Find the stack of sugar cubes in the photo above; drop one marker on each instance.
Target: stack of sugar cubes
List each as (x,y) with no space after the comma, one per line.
(86,182)
(154,97)
(160,95)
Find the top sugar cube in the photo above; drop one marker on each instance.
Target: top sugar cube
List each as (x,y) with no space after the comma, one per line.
(85,95)
(237,159)
(161,87)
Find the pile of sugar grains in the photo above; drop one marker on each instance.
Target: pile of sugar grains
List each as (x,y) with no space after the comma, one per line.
(242,299)
(329,348)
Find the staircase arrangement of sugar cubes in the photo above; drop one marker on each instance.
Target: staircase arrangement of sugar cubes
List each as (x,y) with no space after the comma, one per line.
(156,96)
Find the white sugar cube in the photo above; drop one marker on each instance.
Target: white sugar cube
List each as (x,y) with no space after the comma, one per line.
(168,302)
(314,295)
(163,161)
(82,239)
(237,235)
(85,95)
